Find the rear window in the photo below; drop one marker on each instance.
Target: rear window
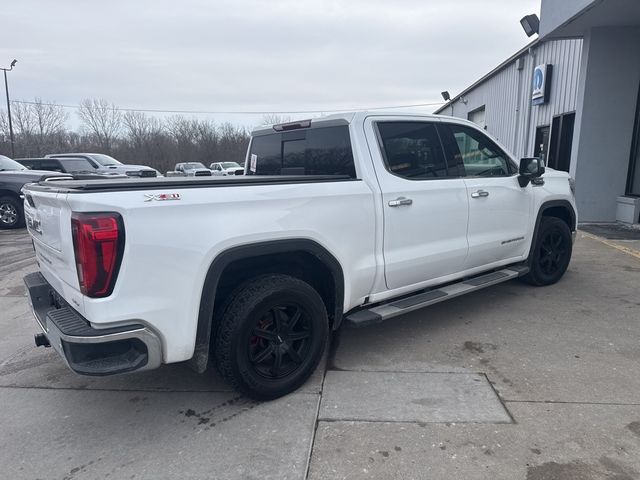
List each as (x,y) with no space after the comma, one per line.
(315,151)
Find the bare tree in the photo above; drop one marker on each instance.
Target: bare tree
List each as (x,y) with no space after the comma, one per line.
(102,119)
(49,117)
(24,122)
(4,123)
(132,137)
(141,128)
(272,119)
(38,126)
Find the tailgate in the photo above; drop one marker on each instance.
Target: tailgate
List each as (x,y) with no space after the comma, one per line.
(48,219)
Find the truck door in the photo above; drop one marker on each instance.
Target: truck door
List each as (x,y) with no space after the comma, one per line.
(499,209)
(425,204)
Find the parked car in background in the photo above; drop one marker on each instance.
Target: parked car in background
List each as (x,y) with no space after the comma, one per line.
(226,168)
(14,176)
(62,164)
(191,169)
(104,164)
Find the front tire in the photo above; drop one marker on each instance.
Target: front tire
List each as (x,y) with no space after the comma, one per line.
(11,213)
(551,252)
(271,336)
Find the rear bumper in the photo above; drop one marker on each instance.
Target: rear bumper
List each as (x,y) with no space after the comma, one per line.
(87,350)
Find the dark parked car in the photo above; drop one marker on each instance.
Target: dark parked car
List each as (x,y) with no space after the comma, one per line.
(106,165)
(13,177)
(63,165)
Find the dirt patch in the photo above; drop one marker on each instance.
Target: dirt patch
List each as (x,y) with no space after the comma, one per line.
(634,427)
(563,471)
(606,468)
(477,347)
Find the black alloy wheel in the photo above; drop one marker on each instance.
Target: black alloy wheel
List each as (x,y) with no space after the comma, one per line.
(270,335)
(553,249)
(280,341)
(551,252)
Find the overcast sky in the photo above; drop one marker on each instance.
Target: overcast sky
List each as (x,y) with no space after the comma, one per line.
(248,55)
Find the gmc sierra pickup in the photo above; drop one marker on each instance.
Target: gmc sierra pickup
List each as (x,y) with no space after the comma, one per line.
(349,219)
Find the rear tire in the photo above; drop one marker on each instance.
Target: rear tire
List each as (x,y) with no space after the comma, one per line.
(271,336)
(11,213)
(551,252)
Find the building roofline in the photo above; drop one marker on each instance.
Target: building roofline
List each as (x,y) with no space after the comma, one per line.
(487,76)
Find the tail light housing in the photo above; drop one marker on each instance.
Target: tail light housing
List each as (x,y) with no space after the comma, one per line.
(98,243)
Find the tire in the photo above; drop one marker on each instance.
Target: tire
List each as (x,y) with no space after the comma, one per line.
(11,213)
(551,252)
(257,351)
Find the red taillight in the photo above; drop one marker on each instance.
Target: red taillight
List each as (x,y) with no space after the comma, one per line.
(98,241)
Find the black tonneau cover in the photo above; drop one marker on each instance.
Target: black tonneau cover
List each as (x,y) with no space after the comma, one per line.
(163,183)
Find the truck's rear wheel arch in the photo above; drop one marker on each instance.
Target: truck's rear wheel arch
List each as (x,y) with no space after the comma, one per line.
(300,258)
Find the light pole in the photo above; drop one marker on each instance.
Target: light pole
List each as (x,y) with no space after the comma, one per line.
(6,89)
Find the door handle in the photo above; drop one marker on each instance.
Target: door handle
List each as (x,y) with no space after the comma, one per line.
(480,193)
(398,202)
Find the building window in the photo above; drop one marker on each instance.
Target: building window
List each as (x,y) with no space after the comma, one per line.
(478,116)
(541,148)
(559,156)
(633,183)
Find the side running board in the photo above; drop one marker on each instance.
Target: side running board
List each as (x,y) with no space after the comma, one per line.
(408,304)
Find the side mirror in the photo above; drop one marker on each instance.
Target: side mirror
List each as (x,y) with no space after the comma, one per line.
(530,169)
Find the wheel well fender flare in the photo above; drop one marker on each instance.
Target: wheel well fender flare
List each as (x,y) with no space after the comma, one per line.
(9,193)
(546,206)
(200,357)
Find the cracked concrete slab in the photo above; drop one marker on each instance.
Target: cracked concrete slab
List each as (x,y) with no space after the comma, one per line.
(548,442)
(107,434)
(410,397)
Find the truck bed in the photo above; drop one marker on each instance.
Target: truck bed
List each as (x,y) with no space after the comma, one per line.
(127,184)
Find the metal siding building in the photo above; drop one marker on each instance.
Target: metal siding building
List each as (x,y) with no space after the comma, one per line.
(505,94)
(572,97)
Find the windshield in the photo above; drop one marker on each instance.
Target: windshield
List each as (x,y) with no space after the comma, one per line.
(7,164)
(230,165)
(105,160)
(194,165)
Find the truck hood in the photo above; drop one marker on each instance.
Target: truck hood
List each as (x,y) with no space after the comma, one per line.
(552,173)
(124,168)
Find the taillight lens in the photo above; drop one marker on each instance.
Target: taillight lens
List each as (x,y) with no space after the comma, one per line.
(98,242)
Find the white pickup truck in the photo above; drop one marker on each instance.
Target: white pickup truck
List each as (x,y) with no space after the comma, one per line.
(349,219)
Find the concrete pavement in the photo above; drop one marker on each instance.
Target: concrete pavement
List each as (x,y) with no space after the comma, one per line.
(512,382)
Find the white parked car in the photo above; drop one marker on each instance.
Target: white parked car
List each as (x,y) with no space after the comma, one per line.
(106,165)
(226,168)
(190,169)
(350,219)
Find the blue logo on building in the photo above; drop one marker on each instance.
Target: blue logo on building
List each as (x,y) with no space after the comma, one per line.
(538,79)
(541,84)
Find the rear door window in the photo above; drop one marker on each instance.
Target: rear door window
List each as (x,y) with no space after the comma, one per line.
(413,150)
(314,151)
(49,164)
(31,164)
